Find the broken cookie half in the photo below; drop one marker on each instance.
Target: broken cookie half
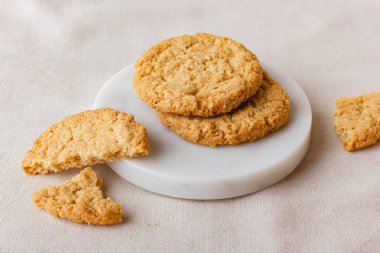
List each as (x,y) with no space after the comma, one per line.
(80,200)
(85,139)
(357,121)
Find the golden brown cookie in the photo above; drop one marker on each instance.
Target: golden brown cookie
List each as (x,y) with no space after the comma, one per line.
(85,139)
(199,75)
(263,113)
(80,200)
(357,120)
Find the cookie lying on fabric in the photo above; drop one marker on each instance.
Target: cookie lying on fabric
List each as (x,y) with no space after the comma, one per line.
(357,120)
(80,200)
(85,139)
(199,75)
(263,113)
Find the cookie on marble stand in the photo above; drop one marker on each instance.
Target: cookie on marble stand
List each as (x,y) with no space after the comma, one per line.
(200,75)
(262,114)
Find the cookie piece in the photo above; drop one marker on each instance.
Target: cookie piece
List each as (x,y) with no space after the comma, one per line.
(200,75)
(263,113)
(357,120)
(80,200)
(85,139)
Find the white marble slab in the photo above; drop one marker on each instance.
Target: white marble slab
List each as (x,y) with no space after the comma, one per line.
(182,169)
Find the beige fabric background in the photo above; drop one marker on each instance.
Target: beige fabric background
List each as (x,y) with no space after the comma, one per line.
(55,56)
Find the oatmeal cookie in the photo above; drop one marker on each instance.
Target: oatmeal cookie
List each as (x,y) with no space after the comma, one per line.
(80,200)
(200,75)
(357,120)
(263,113)
(84,139)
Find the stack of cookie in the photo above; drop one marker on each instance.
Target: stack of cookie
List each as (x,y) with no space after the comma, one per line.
(210,90)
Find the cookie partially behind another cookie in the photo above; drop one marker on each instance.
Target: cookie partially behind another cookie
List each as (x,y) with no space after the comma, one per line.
(262,114)
(85,139)
(200,75)
(357,121)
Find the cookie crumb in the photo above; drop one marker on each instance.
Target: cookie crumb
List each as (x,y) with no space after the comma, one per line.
(152,224)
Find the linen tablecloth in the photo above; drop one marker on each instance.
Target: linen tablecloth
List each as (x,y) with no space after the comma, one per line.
(56,55)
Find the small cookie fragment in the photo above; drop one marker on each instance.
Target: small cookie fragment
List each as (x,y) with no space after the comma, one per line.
(197,75)
(85,139)
(262,114)
(357,120)
(80,200)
